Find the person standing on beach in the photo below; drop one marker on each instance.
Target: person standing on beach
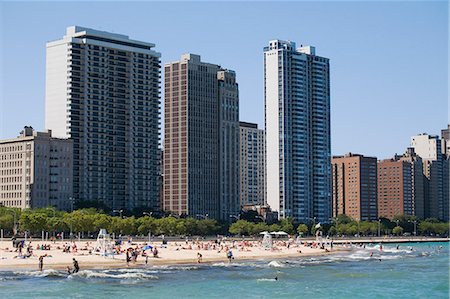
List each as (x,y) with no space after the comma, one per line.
(199,257)
(229,255)
(75,266)
(128,259)
(41,262)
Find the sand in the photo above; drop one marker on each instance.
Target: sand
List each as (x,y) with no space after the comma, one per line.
(173,253)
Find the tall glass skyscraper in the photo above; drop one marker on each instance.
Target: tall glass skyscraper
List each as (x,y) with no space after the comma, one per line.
(103,92)
(297,120)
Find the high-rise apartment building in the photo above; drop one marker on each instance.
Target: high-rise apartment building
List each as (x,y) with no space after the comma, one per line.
(395,192)
(435,169)
(355,186)
(297,122)
(228,144)
(445,136)
(201,139)
(36,171)
(417,181)
(252,162)
(103,92)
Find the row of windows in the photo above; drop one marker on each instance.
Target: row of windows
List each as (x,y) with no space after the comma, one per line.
(13,148)
(11,195)
(15,171)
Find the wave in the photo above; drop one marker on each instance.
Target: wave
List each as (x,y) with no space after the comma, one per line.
(275,264)
(174,267)
(131,270)
(266,279)
(44,273)
(128,275)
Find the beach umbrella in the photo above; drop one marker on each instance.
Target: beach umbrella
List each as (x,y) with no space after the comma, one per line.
(263,233)
(147,247)
(318,225)
(281,233)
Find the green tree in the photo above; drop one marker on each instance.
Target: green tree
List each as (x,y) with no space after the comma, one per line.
(166,226)
(191,226)
(207,227)
(129,226)
(259,228)
(240,227)
(146,225)
(7,222)
(302,229)
(56,224)
(287,225)
(398,230)
(274,228)
(181,227)
(33,222)
(101,221)
(344,219)
(332,231)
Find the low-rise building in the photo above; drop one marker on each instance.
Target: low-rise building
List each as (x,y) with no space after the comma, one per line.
(36,171)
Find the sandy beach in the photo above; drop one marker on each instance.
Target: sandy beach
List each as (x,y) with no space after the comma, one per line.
(180,252)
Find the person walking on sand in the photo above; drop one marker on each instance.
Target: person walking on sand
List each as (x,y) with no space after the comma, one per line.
(75,266)
(229,255)
(199,257)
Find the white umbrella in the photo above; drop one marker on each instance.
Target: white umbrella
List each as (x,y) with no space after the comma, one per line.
(263,233)
(318,225)
(279,233)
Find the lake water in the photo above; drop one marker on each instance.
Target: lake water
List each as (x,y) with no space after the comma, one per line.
(422,272)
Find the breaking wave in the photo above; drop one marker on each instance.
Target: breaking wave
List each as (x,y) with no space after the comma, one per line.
(108,274)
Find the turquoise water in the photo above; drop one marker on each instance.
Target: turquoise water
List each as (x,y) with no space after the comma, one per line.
(420,273)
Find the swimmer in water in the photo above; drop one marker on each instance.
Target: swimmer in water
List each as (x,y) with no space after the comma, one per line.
(276,278)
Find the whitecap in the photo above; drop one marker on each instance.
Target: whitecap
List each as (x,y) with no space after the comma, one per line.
(275,264)
(44,273)
(94,274)
(266,279)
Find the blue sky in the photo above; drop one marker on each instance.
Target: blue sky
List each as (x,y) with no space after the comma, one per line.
(389,60)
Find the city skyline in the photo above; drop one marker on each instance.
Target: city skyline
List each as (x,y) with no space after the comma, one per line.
(370,63)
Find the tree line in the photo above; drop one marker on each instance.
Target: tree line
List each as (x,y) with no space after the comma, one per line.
(91,220)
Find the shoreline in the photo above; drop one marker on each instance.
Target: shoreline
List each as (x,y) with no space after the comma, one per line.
(173,255)
(120,263)
(170,255)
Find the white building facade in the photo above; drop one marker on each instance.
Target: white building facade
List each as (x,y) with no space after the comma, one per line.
(297,121)
(252,165)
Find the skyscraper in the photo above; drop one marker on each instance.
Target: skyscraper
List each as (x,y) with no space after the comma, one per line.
(103,92)
(355,186)
(435,169)
(253,166)
(201,139)
(445,136)
(417,181)
(297,120)
(228,144)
